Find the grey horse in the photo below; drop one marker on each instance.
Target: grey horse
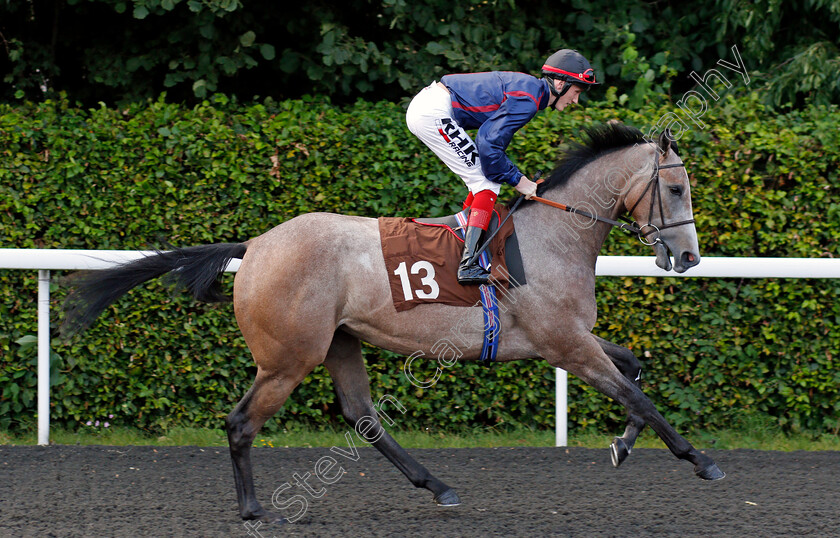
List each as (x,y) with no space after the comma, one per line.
(310,290)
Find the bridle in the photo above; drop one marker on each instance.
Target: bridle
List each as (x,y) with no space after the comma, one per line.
(628,225)
(655,195)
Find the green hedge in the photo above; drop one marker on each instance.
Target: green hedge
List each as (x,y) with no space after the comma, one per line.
(714,350)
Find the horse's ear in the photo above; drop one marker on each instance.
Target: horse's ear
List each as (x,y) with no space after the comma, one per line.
(665,140)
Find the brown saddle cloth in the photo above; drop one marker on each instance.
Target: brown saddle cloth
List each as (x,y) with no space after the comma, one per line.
(422,256)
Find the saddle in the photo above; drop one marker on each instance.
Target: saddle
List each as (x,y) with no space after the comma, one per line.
(422,256)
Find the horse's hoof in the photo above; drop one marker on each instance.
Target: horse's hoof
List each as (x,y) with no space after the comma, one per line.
(263,517)
(255,527)
(618,451)
(448,498)
(711,472)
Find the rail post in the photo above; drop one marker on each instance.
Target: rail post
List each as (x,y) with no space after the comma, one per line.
(43,357)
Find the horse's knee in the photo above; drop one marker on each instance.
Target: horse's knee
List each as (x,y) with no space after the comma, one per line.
(353,407)
(628,358)
(351,417)
(625,360)
(364,420)
(355,415)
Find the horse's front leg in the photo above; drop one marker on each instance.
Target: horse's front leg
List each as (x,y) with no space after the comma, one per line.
(630,367)
(583,357)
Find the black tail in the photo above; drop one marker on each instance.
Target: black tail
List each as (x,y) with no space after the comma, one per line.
(196,268)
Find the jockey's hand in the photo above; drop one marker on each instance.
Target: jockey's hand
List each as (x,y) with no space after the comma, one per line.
(526,187)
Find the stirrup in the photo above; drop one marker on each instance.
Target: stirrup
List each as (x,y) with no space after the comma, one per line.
(473,274)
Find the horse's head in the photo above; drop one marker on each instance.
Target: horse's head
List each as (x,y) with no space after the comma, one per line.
(659,199)
(617,169)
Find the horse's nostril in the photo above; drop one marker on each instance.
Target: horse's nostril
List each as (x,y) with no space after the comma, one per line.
(689,259)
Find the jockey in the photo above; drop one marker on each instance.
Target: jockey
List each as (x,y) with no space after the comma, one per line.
(498,104)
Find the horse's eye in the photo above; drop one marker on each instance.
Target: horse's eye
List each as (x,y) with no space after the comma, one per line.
(676,191)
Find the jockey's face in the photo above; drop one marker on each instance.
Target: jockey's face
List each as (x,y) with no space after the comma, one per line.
(569,97)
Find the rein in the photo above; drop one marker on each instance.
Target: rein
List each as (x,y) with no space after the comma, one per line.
(629,226)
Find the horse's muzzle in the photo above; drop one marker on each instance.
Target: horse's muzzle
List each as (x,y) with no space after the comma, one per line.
(682,262)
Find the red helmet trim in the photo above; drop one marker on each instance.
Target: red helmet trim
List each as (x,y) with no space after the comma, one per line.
(587,76)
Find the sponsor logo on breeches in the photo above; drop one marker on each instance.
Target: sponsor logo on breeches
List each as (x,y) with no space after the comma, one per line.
(458,140)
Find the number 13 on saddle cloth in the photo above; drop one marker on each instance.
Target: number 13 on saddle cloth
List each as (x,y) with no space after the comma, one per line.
(422,256)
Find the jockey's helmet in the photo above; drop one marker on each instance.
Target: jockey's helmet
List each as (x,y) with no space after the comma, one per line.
(570,66)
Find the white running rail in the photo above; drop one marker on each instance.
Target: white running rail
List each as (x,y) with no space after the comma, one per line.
(45,260)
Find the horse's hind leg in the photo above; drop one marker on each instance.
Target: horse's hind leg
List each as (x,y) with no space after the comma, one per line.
(281,365)
(263,399)
(631,368)
(352,385)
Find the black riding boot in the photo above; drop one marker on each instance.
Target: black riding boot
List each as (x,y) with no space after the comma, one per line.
(472,273)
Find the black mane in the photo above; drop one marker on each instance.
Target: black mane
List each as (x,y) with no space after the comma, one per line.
(599,139)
